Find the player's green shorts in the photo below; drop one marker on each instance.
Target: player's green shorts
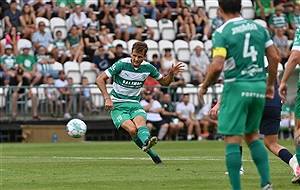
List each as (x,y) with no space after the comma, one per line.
(242,107)
(126,111)
(297,106)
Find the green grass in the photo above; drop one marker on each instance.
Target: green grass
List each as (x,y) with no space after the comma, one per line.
(122,166)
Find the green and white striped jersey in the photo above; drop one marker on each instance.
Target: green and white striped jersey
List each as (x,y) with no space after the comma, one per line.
(296,46)
(128,80)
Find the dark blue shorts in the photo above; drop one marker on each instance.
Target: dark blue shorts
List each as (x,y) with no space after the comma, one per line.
(270,121)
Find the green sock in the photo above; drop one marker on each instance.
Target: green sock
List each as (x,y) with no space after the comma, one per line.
(143,133)
(298,154)
(139,143)
(233,164)
(260,157)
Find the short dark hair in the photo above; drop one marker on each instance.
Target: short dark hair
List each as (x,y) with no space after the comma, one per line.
(140,47)
(13,1)
(119,45)
(231,6)
(155,56)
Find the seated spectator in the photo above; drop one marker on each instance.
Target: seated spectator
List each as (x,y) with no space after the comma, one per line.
(12,38)
(171,116)
(60,8)
(153,109)
(111,6)
(264,8)
(281,41)
(216,22)
(60,45)
(124,26)
(166,61)
(202,25)
(86,96)
(147,7)
(51,95)
(139,23)
(28,64)
(106,39)
(187,110)
(91,43)
(43,38)
(21,94)
(287,119)
(153,86)
(42,8)
(12,17)
(186,24)
(45,63)
(199,63)
(278,20)
(156,62)
(205,119)
(126,3)
(176,83)
(288,5)
(173,7)
(94,22)
(7,64)
(107,18)
(161,9)
(190,4)
(78,18)
(64,93)
(28,22)
(294,21)
(73,3)
(75,44)
(119,54)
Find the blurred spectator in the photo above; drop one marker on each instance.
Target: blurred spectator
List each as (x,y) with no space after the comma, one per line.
(28,22)
(51,95)
(294,21)
(107,18)
(171,116)
(111,6)
(12,17)
(75,44)
(7,64)
(102,60)
(202,25)
(43,8)
(19,94)
(177,83)
(186,24)
(153,109)
(78,18)
(281,41)
(264,8)
(86,96)
(198,65)
(139,22)
(288,5)
(190,4)
(28,64)
(278,20)
(64,93)
(161,9)
(147,7)
(73,3)
(45,63)
(217,22)
(127,3)
(94,22)
(152,86)
(124,26)
(60,45)
(12,38)
(119,53)
(156,62)
(287,117)
(76,104)
(61,7)
(106,39)
(173,7)
(205,119)
(43,38)
(91,43)
(166,61)
(187,110)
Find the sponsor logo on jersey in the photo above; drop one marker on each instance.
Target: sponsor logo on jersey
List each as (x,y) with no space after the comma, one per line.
(252,70)
(244,28)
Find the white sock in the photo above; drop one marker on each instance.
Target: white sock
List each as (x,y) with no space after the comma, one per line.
(293,163)
(189,137)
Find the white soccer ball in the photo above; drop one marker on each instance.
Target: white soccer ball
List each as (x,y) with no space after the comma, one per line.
(76,128)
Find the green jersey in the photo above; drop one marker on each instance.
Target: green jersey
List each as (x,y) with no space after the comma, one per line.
(296,46)
(245,43)
(44,66)
(77,2)
(279,21)
(27,61)
(8,60)
(128,80)
(293,18)
(60,44)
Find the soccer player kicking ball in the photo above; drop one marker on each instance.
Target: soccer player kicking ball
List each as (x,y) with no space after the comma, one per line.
(293,60)
(242,44)
(123,101)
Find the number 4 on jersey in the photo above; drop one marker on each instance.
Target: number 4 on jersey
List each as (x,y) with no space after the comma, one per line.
(252,53)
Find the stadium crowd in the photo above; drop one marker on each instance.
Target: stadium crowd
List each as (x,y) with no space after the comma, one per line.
(36,50)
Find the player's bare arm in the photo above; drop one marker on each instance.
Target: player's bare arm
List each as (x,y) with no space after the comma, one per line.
(100,81)
(273,59)
(175,69)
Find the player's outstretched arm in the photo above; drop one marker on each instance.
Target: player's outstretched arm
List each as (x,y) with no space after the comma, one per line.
(175,69)
(100,81)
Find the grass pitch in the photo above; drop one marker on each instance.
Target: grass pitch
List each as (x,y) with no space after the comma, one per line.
(122,166)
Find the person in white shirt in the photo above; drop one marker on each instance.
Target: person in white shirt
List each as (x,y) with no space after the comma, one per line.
(187,110)
(124,26)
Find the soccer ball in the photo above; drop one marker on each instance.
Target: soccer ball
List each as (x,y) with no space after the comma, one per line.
(76,128)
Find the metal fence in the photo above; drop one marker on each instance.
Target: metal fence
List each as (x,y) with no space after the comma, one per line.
(77,101)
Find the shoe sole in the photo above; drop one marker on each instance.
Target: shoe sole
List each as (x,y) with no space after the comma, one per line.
(152,142)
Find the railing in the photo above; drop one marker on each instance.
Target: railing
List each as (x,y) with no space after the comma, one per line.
(56,108)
